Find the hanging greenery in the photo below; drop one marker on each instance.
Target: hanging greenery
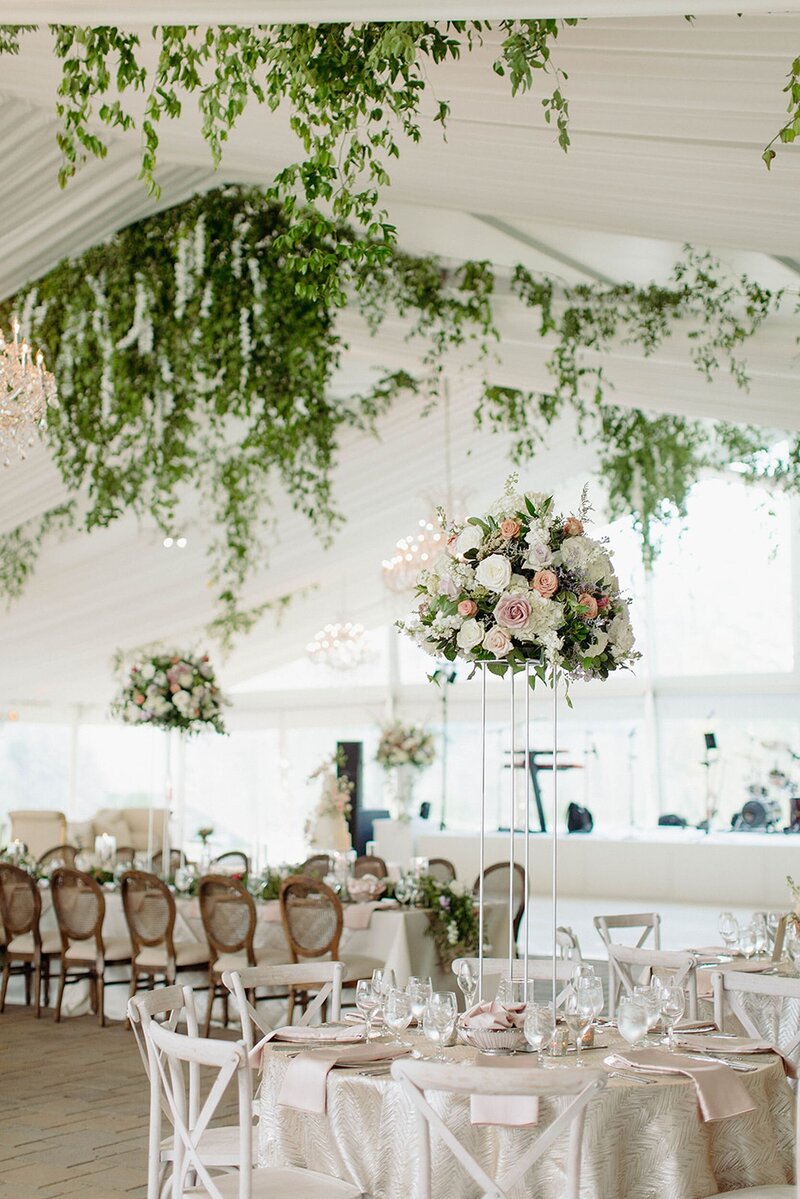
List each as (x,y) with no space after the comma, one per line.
(190,362)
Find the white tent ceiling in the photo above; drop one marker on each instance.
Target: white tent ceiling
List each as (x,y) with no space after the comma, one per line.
(668,122)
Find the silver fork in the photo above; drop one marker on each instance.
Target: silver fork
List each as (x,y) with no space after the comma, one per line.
(631,1076)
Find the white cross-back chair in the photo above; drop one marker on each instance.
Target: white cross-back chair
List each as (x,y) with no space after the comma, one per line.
(539,970)
(633,966)
(327,976)
(220,1146)
(569,947)
(175,1056)
(730,986)
(650,925)
(417,1077)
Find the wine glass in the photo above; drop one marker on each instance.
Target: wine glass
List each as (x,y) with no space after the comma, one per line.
(367,1001)
(747,940)
(673,1005)
(440,1015)
(378,978)
(728,927)
(760,933)
(578,1013)
(397,1012)
(467,982)
(633,1019)
(540,1027)
(403,889)
(419,993)
(583,972)
(594,989)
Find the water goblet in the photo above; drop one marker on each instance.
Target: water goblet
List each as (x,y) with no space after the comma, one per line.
(673,1005)
(540,1027)
(367,1002)
(397,1013)
(747,940)
(578,1013)
(633,1019)
(728,927)
(583,972)
(441,1011)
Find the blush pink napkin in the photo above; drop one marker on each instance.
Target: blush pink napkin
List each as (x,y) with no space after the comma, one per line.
(305,1084)
(513,1111)
(720,1094)
(733,1045)
(704,988)
(494,1015)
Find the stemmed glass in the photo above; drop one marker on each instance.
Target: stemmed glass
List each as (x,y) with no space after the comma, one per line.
(467,983)
(540,1027)
(760,933)
(439,1020)
(579,1013)
(633,1019)
(419,991)
(367,1001)
(397,1013)
(747,940)
(673,1005)
(728,927)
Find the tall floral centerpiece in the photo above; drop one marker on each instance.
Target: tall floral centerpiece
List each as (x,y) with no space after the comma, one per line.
(523,589)
(405,750)
(326,827)
(176,692)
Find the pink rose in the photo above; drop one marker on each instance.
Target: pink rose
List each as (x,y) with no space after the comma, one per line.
(513,612)
(589,605)
(572,527)
(603,602)
(546,583)
(467,608)
(509,528)
(497,642)
(174,688)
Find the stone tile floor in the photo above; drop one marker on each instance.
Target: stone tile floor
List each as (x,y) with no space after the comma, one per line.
(73,1109)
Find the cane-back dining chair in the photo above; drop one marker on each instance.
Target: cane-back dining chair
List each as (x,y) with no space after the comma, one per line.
(59,855)
(218,1147)
(235,861)
(313,919)
(26,945)
(418,1079)
(368,863)
(323,977)
(150,915)
(174,1056)
(317,866)
(498,890)
(177,859)
(442,869)
(80,909)
(228,913)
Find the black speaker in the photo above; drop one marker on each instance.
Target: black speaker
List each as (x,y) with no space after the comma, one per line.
(579,819)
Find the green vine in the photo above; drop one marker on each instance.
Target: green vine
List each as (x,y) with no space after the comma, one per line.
(191,362)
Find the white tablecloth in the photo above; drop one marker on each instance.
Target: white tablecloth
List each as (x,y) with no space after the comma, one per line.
(641,1142)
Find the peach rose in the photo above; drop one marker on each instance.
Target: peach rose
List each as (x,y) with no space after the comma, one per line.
(138,698)
(589,605)
(174,688)
(509,528)
(467,608)
(497,642)
(545,582)
(572,527)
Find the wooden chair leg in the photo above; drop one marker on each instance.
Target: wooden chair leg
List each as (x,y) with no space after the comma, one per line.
(37,984)
(46,980)
(212,994)
(101,1001)
(225,1007)
(62,980)
(27,984)
(290,1006)
(4,986)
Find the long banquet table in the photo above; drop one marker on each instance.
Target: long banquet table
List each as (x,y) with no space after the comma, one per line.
(641,1142)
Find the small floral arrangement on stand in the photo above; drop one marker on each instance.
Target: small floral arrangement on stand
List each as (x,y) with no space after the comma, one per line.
(172,690)
(405,745)
(452,916)
(271,879)
(523,586)
(335,803)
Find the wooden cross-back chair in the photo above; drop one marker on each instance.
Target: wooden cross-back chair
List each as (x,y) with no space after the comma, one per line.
(80,909)
(173,1057)
(730,986)
(150,914)
(632,967)
(219,1147)
(27,948)
(418,1077)
(650,925)
(302,977)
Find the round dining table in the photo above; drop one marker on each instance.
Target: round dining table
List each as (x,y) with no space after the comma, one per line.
(642,1140)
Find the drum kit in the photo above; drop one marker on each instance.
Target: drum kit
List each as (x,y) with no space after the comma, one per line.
(764,807)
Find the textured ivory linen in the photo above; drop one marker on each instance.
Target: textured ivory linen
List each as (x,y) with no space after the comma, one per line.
(720,1094)
(733,1045)
(305,1085)
(510,1111)
(640,1142)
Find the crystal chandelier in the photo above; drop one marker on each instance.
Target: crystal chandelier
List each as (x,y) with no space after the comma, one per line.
(412,554)
(340,646)
(26,391)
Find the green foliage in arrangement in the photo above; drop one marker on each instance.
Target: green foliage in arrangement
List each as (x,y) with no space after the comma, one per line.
(191,359)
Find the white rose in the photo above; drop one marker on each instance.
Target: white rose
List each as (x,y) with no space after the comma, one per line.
(598,646)
(448,587)
(148,671)
(539,555)
(470,538)
(469,635)
(497,642)
(620,633)
(184,678)
(494,573)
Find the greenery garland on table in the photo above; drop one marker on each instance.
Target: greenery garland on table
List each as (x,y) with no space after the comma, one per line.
(452,918)
(191,360)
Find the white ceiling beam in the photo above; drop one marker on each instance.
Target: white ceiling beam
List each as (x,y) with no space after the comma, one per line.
(249,12)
